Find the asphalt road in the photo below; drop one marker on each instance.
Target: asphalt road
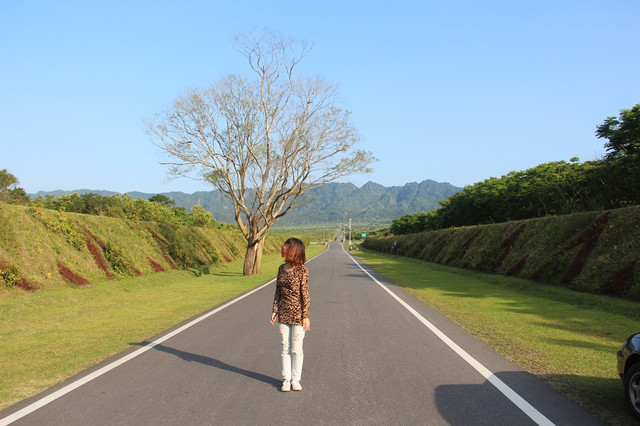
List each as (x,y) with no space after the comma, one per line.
(374,356)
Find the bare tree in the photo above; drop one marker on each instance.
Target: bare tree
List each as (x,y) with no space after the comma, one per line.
(262,142)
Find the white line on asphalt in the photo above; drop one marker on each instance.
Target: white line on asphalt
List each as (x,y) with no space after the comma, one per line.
(86,379)
(520,402)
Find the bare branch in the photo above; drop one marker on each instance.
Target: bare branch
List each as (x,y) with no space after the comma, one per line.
(265,142)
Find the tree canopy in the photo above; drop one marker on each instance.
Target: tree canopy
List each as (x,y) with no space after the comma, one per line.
(163,199)
(9,190)
(623,133)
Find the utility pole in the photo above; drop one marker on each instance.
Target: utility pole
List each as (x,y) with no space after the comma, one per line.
(349,231)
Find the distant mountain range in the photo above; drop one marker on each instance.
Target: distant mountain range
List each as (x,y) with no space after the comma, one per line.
(332,203)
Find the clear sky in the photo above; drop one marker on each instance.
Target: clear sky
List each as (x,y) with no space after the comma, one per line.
(453,91)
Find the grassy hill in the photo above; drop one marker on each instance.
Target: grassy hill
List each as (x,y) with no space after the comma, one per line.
(597,252)
(41,248)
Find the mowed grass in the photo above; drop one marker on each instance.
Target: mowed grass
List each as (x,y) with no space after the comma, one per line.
(567,338)
(50,335)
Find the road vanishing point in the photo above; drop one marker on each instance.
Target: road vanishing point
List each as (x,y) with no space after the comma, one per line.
(375,355)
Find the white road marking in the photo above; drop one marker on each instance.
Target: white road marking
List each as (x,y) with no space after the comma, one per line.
(86,379)
(520,402)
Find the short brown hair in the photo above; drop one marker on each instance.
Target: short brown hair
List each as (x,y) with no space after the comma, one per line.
(295,251)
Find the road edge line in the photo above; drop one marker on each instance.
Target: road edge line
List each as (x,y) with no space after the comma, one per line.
(86,379)
(512,395)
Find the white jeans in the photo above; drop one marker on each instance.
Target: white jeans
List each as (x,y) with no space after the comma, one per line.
(291,337)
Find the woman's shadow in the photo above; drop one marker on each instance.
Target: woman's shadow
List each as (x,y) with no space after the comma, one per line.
(189,357)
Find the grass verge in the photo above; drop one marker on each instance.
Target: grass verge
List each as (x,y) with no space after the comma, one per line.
(566,338)
(49,335)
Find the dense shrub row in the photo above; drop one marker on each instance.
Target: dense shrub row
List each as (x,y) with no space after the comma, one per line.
(547,189)
(593,251)
(159,208)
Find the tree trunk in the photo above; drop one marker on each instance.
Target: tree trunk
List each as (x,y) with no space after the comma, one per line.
(250,260)
(257,264)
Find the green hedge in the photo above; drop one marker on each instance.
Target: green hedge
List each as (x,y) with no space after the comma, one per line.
(596,252)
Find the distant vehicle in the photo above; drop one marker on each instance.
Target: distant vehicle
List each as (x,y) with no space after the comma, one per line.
(629,370)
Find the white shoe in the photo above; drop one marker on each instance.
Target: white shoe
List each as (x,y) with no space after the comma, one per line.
(286,386)
(295,385)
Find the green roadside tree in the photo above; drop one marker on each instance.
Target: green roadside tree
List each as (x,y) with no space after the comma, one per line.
(163,199)
(202,218)
(9,190)
(181,215)
(7,180)
(623,133)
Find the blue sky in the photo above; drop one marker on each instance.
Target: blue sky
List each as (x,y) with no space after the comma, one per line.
(454,91)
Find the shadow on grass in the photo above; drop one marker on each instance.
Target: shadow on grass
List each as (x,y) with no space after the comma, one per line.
(449,278)
(585,345)
(559,308)
(595,321)
(226,274)
(199,271)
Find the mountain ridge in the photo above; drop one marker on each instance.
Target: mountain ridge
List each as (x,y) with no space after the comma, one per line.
(333,202)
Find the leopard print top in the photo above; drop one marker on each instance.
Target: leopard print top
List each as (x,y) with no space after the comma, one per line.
(291,301)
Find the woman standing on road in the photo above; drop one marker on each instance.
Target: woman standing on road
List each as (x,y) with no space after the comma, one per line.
(291,309)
